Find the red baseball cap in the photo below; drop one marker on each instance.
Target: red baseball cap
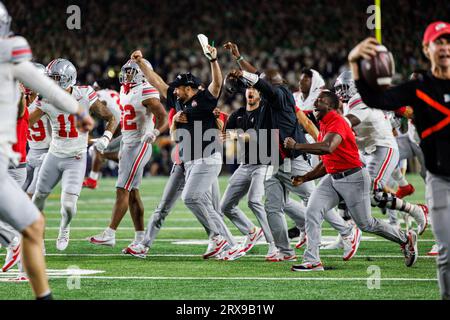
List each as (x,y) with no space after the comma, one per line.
(435,30)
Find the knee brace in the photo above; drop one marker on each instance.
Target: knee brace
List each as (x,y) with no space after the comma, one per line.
(39,199)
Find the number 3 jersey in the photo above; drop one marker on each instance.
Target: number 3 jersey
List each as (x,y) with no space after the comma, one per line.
(136,120)
(67,141)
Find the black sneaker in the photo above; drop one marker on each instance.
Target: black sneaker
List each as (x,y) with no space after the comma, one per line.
(293,232)
(410,249)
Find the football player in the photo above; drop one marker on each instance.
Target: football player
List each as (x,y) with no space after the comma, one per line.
(66,158)
(21,214)
(143,119)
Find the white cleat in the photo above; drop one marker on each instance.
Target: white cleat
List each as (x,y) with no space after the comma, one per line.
(12,256)
(301,242)
(273,251)
(434,250)
(63,239)
(137,250)
(125,250)
(215,246)
(351,244)
(251,239)
(103,239)
(337,244)
(231,254)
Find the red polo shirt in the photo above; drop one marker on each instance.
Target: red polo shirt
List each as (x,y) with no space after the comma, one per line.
(346,155)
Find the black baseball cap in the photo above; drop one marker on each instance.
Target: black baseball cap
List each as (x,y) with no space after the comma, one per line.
(186,79)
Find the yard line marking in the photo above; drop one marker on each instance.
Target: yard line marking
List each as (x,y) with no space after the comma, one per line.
(200,255)
(250,278)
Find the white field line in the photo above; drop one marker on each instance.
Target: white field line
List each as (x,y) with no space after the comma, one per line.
(248,278)
(176,255)
(262,243)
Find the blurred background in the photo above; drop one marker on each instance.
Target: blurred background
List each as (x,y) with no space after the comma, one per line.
(288,35)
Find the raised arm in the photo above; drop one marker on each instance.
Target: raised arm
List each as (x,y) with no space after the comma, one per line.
(243,64)
(152,77)
(260,84)
(307,124)
(216,74)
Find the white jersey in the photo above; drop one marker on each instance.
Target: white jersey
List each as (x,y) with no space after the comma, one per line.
(375,128)
(136,120)
(67,141)
(39,135)
(112,100)
(12,50)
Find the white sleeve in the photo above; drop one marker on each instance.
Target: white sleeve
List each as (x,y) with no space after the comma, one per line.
(361,111)
(29,75)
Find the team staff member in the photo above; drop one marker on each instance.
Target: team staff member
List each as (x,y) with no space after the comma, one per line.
(345,178)
(202,159)
(429,97)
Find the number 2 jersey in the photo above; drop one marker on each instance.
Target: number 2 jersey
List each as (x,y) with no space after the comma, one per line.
(136,119)
(67,141)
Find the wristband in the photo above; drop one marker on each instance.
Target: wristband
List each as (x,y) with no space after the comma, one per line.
(239,59)
(108,134)
(156,132)
(213,60)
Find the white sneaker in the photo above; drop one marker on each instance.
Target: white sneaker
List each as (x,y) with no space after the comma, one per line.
(215,246)
(251,239)
(103,239)
(301,242)
(273,251)
(434,250)
(125,250)
(63,239)
(12,256)
(232,254)
(337,244)
(137,250)
(351,244)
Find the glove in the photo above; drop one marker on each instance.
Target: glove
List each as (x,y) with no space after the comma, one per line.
(150,136)
(102,143)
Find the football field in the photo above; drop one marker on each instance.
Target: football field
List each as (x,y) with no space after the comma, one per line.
(174,268)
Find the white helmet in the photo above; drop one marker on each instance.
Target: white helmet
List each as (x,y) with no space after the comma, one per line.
(345,87)
(132,69)
(5,22)
(63,72)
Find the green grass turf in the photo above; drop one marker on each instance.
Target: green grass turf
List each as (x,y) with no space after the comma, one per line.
(183,274)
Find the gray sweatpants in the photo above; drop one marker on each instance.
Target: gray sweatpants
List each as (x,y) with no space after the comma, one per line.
(172,191)
(438,200)
(16,208)
(355,190)
(409,149)
(35,157)
(277,187)
(248,178)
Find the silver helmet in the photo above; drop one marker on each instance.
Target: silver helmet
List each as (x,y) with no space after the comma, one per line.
(63,72)
(131,73)
(344,86)
(5,21)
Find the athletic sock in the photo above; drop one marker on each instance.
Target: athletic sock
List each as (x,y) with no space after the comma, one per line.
(110,232)
(93,175)
(139,236)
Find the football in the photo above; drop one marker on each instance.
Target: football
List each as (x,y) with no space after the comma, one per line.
(379,70)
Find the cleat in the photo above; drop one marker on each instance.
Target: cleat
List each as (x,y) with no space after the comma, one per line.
(434,250)
(63,239)
(410,250)
(337,244)
(12,257)
(90,183)
(305,267)
(231,254)
(302,240)
(282,257)
(125,250)
(422,224)
(293,232)
(351,244)
(251,239)
(103,239)
(273,251)
(215,246)
(405,191)
(137,250)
